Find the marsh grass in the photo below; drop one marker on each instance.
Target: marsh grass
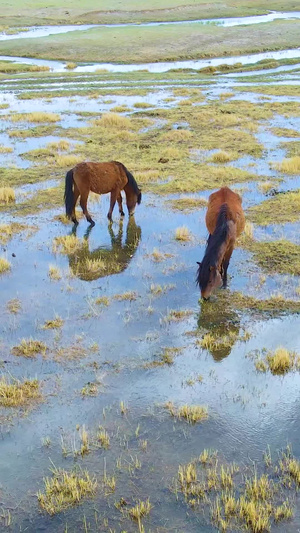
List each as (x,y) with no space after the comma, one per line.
(6,149)
(7,231)
(280,209)
(280,256)
(289,166)
(67,244)
(183,234)
(190,413)
(7,195)
(103,438)
(65,489)
(36,116)
(223,157)
(54,323)
(166,357)
(128,295)
(15,393)
(278,362)
(140,510)
(157,256)
(113,121)
(187,204)
(54,273)
(237,498)
(14,306)
(29,348)
(158,290)
(175,315)
(102,300)
(5,265)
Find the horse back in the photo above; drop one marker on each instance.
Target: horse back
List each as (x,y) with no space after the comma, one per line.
(100,178)
(234,209)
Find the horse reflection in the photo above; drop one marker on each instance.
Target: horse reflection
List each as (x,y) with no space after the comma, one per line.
(105,261)
(223,324)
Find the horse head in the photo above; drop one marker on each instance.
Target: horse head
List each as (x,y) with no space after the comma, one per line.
(209,277)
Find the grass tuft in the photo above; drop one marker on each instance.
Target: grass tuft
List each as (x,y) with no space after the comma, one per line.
(5,265)
(29,348)
(7,195)
(15,393)
(65,489)
(183,234)
(190,413)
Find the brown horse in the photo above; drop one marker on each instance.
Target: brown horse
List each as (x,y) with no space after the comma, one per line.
(225,221)
(100,178)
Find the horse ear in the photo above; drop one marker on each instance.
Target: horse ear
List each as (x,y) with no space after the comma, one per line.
(212,268)
(198,263)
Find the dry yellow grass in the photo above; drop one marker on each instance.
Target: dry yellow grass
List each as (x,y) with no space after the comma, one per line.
(7,195)
(71,66)
(289,166)
(66,244)
(5,265)
(29,348)
(68,160)
(54,323)
(113,121)
(183,234)
(14,393)
(191,413)
(36,116)
(62,145)
(222,157)
(249,230)
(5,149)
(281,361)
(54,273)
(65,489)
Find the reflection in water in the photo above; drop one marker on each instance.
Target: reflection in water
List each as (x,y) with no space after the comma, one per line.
(222,323)
(104,261)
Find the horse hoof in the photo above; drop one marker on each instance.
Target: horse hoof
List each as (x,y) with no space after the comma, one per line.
(92,223)
(75,221)
(109,217)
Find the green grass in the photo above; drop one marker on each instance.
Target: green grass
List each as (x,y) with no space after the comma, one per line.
(280,209)
(281,256)
(156,43)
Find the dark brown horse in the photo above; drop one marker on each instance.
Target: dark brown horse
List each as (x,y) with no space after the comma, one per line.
(100,178)
(225,221)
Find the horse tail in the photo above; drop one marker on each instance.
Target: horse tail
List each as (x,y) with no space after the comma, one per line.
(69,194)
(133,184)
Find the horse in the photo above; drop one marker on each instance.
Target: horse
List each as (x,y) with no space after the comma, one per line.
(100,178)
(225,221)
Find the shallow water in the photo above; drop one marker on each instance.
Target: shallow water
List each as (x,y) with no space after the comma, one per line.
(58,66)
(247,410)
(44,31)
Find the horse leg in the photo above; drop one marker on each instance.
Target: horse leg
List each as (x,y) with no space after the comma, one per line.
(225,264)
(113,198)
(75,196)
(119,199)
(83,204)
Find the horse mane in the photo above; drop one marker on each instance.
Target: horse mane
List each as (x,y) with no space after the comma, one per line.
(131,182)
(213,246)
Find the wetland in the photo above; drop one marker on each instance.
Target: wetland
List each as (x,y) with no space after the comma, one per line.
(126,403)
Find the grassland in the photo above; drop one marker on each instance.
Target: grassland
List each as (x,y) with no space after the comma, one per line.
(156,43)
(17,14)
